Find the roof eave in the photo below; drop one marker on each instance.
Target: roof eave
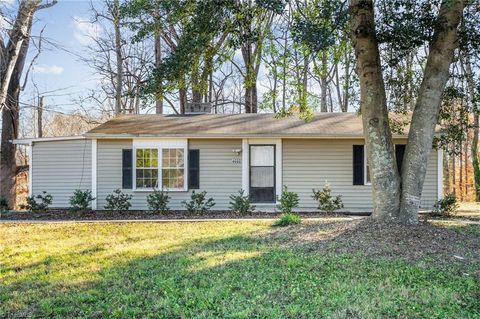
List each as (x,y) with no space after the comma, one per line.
(29,141)
(227,136)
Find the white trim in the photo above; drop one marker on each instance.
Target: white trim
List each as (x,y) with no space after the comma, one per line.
(245,162)
(30,169)
(279,166)
(160,145)
(439,174)
(27,141)
(94,173)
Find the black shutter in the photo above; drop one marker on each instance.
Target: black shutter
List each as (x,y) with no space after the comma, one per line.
(399,152)
(193,169)
(127,168)
(358,165)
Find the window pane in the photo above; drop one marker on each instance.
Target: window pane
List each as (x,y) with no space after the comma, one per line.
(173,178)
(147,178)
(262,177)
(165,157)
(262,156)
(173,158)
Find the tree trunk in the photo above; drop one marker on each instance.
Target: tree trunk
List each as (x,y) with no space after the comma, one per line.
(346,86)
(378,138)
(323,84)
(304,96)
(158,61)
(182,92)
(119,59)
(10,125)
(40,117)
(11,54)
(254,98)
(425,114)
(248,99)
(474,146)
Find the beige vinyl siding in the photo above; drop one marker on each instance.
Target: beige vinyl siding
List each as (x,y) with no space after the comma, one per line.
(219,176)
(61,167)
(309,163)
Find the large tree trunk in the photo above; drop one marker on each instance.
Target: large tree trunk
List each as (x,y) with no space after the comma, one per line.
(380,153)
(11,53)
(10,125)
(425,114)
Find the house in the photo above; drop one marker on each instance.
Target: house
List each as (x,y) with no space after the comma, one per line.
(219,153)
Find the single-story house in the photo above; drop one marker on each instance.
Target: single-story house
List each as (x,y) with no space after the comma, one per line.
(218,153)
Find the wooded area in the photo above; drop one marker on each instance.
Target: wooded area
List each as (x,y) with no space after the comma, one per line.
(286,57)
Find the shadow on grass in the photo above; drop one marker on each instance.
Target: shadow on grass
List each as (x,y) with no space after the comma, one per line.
(253,275)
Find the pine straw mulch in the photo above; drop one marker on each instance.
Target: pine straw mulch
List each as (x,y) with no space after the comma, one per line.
(428,243)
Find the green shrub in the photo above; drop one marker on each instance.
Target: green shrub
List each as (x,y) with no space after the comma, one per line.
(3,204)
(446,206)
(240,203)
(80,201)
(327,202)
(287,219)
(198,203)
(158,201)
(118,201)
(288,201)
(44,200)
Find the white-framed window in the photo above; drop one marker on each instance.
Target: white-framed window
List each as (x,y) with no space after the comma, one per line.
(160,165)
(146,167)
(173,168)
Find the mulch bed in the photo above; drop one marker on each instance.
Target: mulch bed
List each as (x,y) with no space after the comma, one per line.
(59,215)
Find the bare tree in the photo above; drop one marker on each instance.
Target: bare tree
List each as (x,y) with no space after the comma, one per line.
(13,58)
(122,65)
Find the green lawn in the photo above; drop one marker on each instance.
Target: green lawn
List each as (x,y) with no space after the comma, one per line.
(234,270)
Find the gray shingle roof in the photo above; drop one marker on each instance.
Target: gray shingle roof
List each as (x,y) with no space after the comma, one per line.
(340,125)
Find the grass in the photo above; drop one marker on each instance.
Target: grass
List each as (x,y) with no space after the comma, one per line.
(220,270)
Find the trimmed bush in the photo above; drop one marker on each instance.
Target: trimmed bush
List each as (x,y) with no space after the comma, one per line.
(240,203)
(288,201)
(446,206)
(80,200)
(158,201)
(287,219)
(198,203)
(326,202)
(39,203)
(118,201)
